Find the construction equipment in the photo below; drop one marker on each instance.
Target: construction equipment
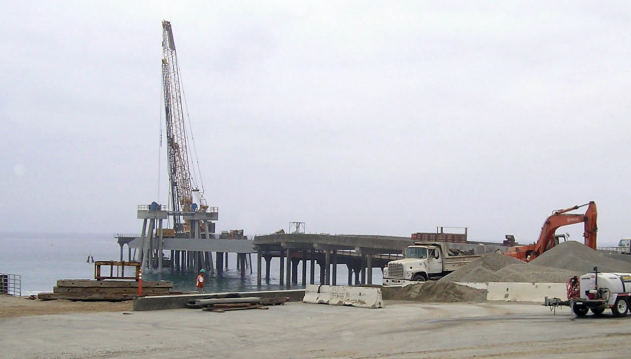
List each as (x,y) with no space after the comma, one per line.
(548,239)
(182,183)
(424,261)
(596,292)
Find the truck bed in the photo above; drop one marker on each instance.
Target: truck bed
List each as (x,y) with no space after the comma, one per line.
(452,263)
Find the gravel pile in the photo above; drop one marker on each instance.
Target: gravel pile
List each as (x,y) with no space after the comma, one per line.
(483,270)
(435,292)
(497,267)
(577,257)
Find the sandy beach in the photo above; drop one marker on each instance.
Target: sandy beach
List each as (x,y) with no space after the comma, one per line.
(11,307)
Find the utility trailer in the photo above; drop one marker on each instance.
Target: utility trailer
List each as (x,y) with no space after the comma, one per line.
(596,292)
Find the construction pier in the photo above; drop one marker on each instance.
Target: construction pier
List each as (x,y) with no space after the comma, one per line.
(360,254)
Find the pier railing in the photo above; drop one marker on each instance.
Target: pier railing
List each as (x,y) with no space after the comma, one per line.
(11,284)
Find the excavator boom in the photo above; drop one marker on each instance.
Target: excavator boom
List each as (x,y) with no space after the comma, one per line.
(547,238)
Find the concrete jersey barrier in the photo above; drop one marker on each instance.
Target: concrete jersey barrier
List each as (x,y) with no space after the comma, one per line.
(520,292)
(363,297)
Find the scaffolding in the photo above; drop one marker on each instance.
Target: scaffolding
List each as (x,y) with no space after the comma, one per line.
(11,284)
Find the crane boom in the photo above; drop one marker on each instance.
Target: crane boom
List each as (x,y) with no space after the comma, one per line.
(177,151)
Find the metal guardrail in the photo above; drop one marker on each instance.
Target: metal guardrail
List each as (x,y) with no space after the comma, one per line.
(147,207)
(126,235)
(11,284)
(618,250)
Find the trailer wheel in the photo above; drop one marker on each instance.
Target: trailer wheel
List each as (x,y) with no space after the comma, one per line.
(580,310)
(620,307)
(598,311)
(419,277)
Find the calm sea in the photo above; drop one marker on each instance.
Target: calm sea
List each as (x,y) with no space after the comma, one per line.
(43,258)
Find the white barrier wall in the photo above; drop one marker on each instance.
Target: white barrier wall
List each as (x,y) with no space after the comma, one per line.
(521,292)
(364,297)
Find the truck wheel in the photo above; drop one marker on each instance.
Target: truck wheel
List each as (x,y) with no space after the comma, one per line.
(598,311)
(620,307)
(580,310)
(419,277)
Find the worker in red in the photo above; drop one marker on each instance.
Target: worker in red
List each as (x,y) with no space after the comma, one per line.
(199,283)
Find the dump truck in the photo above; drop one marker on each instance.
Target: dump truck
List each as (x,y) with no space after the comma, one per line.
(424,261)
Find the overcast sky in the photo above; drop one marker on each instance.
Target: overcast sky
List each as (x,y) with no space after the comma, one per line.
(356,117)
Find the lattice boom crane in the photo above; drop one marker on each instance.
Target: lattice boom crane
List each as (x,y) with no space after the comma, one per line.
(180,179)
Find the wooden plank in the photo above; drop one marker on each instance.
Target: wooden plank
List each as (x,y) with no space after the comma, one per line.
(217,310)
(106,290)
(112,283)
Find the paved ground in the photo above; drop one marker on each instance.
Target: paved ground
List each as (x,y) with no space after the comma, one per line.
(296,330)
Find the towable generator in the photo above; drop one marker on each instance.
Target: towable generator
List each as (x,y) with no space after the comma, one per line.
(596,292)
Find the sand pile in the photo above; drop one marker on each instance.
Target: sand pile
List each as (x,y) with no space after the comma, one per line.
(483,270)
(577,257)
(497,267)
(435,292)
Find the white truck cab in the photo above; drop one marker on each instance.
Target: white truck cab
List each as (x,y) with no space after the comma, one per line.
(423,261)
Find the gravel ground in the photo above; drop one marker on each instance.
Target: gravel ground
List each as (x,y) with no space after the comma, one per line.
(11,307)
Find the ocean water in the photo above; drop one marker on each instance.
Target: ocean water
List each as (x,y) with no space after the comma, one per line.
(43,258)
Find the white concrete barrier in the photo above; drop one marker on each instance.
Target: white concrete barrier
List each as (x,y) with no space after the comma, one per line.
(364,297)
(521,292)
(525,292)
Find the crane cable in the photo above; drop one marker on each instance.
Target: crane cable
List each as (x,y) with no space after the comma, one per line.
(188,117)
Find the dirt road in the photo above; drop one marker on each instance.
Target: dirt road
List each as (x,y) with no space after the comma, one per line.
(297,330)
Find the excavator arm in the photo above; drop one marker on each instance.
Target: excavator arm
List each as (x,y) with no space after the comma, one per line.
(558,219)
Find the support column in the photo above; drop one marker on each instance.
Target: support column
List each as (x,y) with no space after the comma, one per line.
(241,257)
(304,267)
(219,262)
(369,268)
(322,272)
(327,267)
(282,268)
(121,245)
(312,269)
(258,268)
(363,270)
(350,274)
(145,244)
(334,279)
(294,270)
(211,267)
(288,267)
(268,262)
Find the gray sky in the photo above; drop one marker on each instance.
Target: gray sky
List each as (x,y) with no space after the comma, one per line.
(356,117)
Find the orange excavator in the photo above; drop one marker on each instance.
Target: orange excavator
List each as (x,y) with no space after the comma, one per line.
(548,239)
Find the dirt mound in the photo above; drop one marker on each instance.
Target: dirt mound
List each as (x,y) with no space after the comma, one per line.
(483,270)
(579,258)
(435,292)
(497,267)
